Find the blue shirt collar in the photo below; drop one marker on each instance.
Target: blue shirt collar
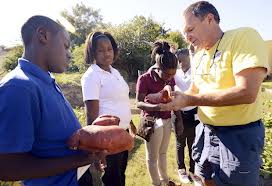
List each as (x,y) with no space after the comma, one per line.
(35,70)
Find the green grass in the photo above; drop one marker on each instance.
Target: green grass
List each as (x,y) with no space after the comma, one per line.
(267,84)
(266,169)
(137,174)
(68,78)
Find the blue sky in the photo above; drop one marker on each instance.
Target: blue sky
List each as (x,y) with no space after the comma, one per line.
(234,13)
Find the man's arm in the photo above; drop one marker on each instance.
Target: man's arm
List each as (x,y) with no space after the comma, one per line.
(248,82)
(245,91)
(192,90)
(21,166)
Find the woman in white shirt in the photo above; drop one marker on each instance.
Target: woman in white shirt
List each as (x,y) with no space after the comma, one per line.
(106,92)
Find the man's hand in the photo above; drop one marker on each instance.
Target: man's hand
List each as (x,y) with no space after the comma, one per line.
(179,100)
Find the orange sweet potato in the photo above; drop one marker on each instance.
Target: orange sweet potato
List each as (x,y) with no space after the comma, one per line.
(166,94)
(106,120)
(160,97)
(92,138)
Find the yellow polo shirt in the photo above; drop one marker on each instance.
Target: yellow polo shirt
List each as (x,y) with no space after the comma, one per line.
(214,69)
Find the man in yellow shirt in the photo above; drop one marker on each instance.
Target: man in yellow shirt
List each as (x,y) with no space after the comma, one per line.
(227,71)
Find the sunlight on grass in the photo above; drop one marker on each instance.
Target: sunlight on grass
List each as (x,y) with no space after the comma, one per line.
(137,174)
(68,78)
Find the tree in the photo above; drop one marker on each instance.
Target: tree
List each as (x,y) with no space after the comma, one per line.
(84,19)
(134,38)
(77,63)
(175,38)
(11,59)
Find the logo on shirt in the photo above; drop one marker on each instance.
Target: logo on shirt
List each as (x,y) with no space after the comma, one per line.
(217,55)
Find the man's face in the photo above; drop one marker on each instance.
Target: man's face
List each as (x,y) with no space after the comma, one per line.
(59,54)
(195,30)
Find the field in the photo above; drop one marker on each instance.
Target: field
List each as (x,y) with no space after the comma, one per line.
(137,174)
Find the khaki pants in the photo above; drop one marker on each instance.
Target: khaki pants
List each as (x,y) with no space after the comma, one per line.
(156,150)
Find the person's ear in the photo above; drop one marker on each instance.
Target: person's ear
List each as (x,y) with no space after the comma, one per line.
(42,35)
(210,18)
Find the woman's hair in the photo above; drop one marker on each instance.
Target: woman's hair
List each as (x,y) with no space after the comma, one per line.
(91,45)
(166,59)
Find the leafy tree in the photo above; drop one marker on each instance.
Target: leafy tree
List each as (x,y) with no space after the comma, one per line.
(84,19)
(175,38)
(77,63)
(11,59)
(134,38)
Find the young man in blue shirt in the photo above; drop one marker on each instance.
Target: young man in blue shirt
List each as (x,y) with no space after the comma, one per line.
(36,119)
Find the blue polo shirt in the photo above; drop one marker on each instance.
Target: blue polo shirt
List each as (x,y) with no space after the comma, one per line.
(36,118)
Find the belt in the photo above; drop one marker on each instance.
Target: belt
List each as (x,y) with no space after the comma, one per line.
(235,127)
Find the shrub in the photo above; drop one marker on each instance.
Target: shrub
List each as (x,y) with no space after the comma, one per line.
(11,59)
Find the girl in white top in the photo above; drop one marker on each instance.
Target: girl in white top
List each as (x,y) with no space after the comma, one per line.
(106,92)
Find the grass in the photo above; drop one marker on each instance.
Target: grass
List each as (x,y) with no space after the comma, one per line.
(68,78)
(137,174)
(267,84)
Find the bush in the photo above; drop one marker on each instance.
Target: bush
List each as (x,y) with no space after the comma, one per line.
(80,113)
(11,59)
(267,119)
(77,64)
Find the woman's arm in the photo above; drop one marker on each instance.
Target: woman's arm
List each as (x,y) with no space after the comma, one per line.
(91,110)
(145,106)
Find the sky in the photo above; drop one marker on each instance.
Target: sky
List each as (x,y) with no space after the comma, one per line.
(233,13)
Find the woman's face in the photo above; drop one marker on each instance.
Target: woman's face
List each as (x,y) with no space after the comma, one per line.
(167,74)
(104,53)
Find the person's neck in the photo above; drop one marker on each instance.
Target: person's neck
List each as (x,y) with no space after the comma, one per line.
(35,58)
(216,36)
(105,67)
(185,70)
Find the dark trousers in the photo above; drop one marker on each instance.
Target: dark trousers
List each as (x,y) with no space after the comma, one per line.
(187,137)
(115,171)
(86,179)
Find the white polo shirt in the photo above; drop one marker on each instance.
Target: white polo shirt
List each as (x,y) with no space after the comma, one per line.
(183,82)
(110,89)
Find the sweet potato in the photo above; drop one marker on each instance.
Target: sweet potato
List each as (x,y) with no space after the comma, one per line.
(166,94)
(106,120)
(92,138)
(160,97)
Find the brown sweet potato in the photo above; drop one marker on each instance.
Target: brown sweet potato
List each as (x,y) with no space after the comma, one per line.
(160,97)
(106,120)
(92,138)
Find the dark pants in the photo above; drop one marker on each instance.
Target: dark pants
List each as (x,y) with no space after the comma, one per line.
(115,171)
(187,136)
(86,179)
(231,155)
